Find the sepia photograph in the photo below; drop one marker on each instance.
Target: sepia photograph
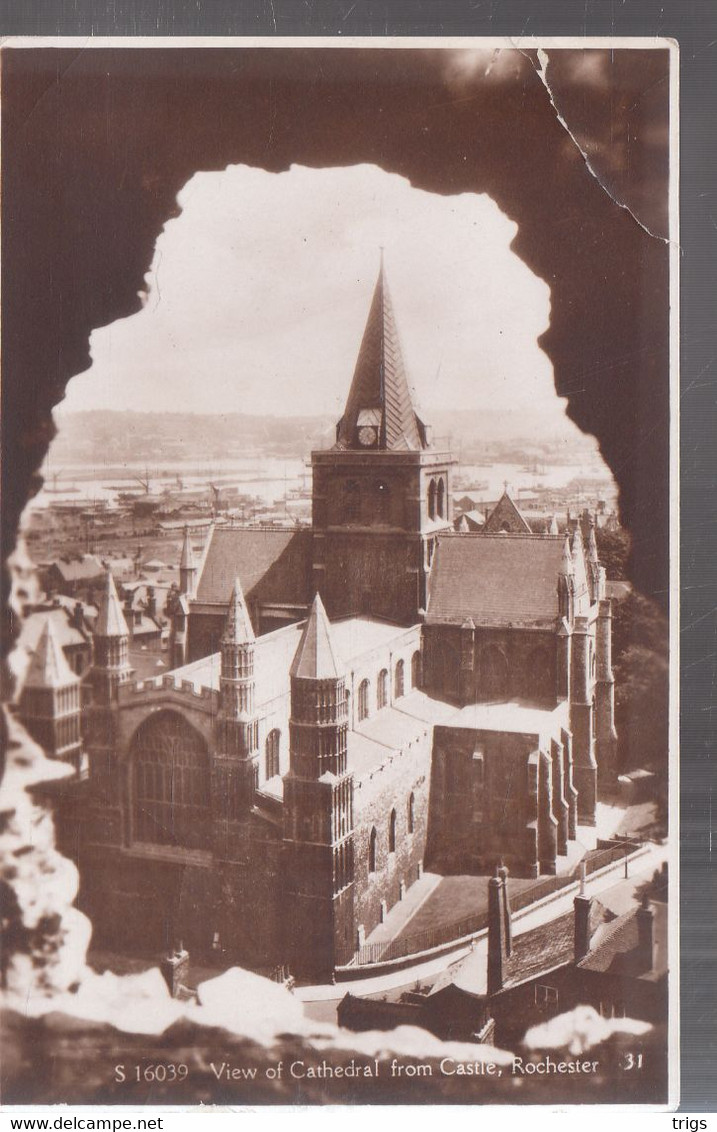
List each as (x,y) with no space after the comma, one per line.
(338,540)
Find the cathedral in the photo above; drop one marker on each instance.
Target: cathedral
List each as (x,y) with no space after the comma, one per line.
(348,704)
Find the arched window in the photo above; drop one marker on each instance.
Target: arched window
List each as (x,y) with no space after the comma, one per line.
(372,851)
(170,784)
(352,501)
(363,693)
(398,686)
(271,750)
(441,499)
(383,500)
(432,499)
(382,691)
(392,832)
(416,670)
(411,815)
(594,718)
(593,664)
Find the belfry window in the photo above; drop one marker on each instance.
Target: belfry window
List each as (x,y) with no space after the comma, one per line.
(441,499)
(170,783)
(432,499)
(363,694)
(271,751)
(398,682)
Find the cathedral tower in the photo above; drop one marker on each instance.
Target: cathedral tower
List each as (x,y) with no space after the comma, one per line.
(382,493)
(318,806)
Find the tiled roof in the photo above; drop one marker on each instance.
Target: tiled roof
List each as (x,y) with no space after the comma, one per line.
(617,949)
(277,560)
(548,946)
(380,383)
(65,633)
(495,579)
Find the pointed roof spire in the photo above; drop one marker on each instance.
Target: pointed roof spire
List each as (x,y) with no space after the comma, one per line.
(315,658)
(48,667)
(592,545)
(186,562)
(379,412)
(566,565)
(238,628)
(554,525)
(110,619)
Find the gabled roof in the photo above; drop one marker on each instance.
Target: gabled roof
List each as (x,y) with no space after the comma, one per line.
(315,657)
(618,950)
(379,393)
(495,580)
(110,619)
(505,513)
(48,667)
(278,561)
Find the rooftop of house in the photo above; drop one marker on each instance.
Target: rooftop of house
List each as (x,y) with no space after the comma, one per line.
(616,949)
(83,568)
(495,580)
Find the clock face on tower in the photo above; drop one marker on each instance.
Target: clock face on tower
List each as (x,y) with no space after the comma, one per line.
(367,435)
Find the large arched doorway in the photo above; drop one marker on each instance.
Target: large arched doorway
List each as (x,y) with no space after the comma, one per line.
(170,783)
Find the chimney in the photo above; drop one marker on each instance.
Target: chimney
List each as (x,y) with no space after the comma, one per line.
(151,602)
(78,617)
(583,907)
(646,933)
(497,944)
(507,919)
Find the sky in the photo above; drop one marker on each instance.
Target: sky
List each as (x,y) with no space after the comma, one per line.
(259,291)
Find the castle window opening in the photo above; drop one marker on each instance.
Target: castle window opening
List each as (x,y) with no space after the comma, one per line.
(411,817)
(392,832)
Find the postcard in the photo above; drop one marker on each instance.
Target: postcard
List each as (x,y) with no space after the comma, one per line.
(340,517)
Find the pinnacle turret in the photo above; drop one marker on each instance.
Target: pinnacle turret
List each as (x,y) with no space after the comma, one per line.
(238,628)
(48,667)
(315,658)
(110,619)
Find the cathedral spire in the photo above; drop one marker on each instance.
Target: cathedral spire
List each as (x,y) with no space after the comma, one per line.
(48,667)
(238,627)
(379,413)
(110,619)
(315,658)
(187,566)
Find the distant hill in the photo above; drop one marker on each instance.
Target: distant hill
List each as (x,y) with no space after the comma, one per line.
(111,438)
